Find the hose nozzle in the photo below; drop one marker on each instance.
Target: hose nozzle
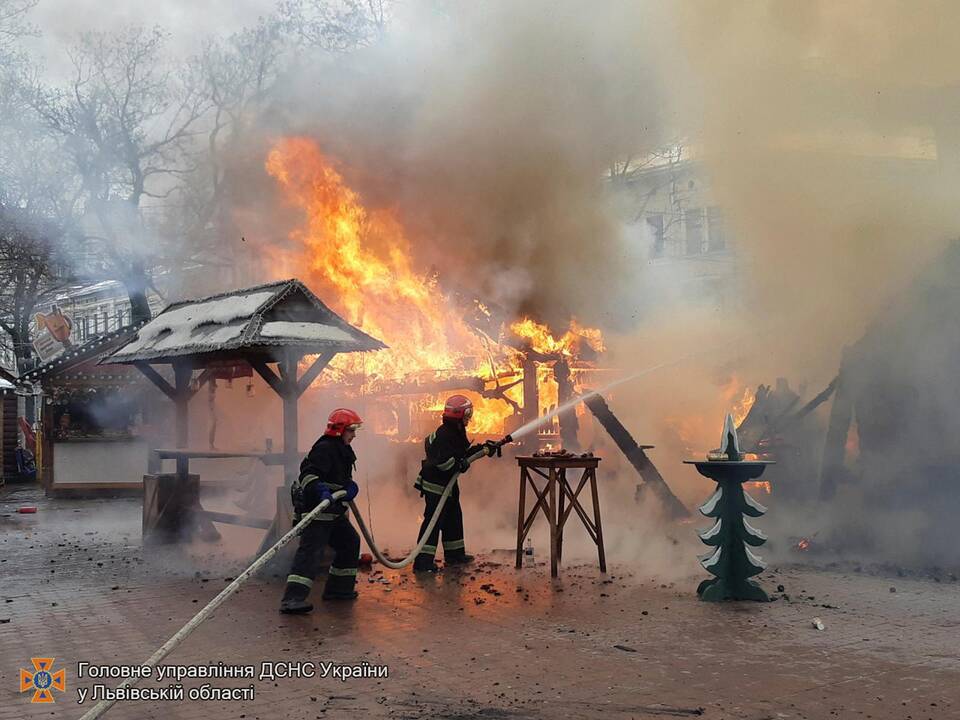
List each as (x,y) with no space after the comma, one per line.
(497,445)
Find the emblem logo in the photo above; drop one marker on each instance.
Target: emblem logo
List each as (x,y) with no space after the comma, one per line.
(43,680)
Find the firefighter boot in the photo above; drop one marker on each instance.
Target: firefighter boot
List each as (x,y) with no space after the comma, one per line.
(460,558)
(424,563)
(294,600)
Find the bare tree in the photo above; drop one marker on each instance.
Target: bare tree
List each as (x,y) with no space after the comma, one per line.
(238,76)
(336,25)
(14,25)
(126,123)
(30,272)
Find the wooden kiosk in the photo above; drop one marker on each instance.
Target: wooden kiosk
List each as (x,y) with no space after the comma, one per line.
(277,324)
(92,411)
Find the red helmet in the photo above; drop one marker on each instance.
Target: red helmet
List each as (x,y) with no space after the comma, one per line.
(458,407)
(342,419)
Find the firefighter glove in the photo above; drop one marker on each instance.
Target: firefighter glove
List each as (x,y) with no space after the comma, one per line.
(325,493)
(492,448)
(352,490)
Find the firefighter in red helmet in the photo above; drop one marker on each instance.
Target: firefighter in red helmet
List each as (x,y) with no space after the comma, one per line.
(327,468)
(447,450)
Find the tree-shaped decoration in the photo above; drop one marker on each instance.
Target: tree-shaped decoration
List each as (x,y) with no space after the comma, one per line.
(731,561)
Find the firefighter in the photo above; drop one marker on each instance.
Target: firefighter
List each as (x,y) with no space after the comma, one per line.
(326,469)
(447,451)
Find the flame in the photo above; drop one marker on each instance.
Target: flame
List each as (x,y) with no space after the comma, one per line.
(804,544)
(361,262)
(759,484)
(741,401)
(542,340)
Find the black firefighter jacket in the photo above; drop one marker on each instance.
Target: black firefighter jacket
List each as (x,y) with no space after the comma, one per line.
(444,449)
(329,464)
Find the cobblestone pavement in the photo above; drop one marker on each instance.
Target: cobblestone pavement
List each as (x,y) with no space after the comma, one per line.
(491,642)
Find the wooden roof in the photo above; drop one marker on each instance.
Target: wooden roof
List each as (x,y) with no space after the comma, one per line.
(91,352)
(252,322)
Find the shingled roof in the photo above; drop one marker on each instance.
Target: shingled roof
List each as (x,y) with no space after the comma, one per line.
(256,319)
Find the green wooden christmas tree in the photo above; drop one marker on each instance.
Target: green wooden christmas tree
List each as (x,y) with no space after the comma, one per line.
(731,561)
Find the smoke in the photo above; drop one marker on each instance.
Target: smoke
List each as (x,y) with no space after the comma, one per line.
(827,136)
(489,127)
(830,137)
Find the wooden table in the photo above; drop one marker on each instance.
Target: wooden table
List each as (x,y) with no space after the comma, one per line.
(553,471)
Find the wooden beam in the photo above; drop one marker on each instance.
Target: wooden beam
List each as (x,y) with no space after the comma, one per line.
(156,378)
(832,468)
(635,454)
(264,371)
(291,424)
(313,371)
(182,373)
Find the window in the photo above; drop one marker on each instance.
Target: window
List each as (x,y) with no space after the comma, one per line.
(693,225)
(655,226)
(716,235)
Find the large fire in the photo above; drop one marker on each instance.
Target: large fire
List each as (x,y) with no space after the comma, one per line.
(360,261)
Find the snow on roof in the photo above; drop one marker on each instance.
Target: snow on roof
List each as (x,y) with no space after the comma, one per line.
(251,318)
(303,331)
(209,323)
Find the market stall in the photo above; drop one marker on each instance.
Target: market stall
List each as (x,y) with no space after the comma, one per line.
(96,424)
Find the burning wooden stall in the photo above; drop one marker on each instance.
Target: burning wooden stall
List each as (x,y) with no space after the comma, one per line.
(278,324)
(896,412)
(89,412)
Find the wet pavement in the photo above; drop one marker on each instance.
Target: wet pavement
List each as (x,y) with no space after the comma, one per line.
(489,642)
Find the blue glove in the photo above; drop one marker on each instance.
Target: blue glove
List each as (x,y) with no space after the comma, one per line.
(352,490)
(325,493)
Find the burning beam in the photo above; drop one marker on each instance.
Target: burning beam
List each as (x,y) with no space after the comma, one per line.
(637,457)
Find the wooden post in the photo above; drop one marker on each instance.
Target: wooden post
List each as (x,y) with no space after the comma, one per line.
(832,468)
(531,392)
(596,519)
(182,372)
(554,565)
(291,425)
(562,479)
(520,515)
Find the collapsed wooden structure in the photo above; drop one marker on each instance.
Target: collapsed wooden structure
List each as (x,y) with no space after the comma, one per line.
(277,324)
(896,397)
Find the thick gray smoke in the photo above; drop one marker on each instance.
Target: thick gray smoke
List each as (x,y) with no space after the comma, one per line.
(489,126)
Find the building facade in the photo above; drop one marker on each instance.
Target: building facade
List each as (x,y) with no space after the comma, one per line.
(670,214)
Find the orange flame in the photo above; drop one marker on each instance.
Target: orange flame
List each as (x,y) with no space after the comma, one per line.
(542,340)
(361,263)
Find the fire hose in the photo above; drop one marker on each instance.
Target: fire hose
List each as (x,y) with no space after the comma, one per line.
(398,564)
(170,645)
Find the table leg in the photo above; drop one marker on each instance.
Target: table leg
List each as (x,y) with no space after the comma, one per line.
(520,515)
(553,523)
(596,520)
(562,479)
